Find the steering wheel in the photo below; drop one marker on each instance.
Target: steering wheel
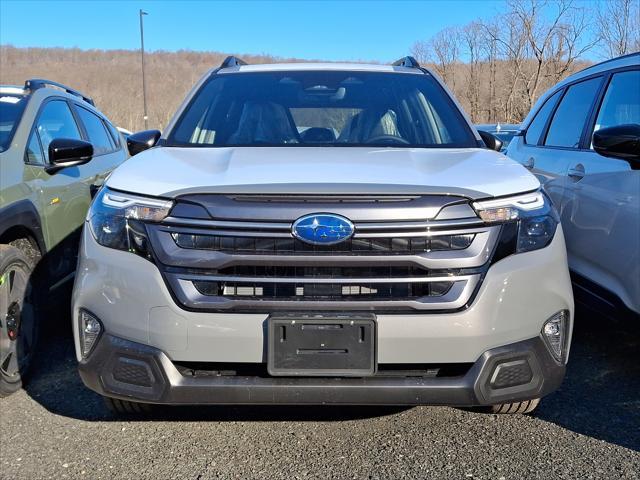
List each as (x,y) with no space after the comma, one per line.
(388,138)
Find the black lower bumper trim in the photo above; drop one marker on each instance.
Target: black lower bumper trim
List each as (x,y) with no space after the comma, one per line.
(155,379)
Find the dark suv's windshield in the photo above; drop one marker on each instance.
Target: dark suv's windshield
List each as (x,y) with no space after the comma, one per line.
(11,108)
(305,108)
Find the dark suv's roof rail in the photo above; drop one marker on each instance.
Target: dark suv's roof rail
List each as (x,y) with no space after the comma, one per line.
(232,61)
(36,83)
(408,62)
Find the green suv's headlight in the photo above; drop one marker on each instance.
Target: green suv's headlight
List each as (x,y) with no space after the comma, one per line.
(117,219)
(534,214)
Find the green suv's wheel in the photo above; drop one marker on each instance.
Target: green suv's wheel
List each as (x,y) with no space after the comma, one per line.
(18,326)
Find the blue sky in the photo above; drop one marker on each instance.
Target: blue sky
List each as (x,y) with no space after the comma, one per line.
(331,30)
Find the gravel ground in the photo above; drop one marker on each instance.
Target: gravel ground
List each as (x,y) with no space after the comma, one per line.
(589,429)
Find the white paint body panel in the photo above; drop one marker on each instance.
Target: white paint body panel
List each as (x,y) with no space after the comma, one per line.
(171,171)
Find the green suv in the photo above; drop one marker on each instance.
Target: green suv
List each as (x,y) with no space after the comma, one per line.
(56,150)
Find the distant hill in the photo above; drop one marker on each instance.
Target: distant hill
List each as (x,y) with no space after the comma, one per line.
(113,77)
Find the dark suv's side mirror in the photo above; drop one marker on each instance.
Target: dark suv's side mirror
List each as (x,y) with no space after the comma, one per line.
(621,141)
(68,152)
(141,141)
(491,141)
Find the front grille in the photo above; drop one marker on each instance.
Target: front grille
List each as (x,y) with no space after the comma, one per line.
(292,246)
(402,256)
(322,291)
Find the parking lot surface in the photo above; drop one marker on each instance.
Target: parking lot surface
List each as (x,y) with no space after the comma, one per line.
(590,428)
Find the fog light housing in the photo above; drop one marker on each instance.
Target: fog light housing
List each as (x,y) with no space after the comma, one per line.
(555,333)
(89,331)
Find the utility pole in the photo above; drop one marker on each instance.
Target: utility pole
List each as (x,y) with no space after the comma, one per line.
(144,83)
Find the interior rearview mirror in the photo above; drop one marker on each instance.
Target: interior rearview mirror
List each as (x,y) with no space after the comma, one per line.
(68,152)
(491,141)
(621,141)
(141,141)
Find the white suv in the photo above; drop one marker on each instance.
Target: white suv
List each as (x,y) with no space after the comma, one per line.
(322,234)
(582,140)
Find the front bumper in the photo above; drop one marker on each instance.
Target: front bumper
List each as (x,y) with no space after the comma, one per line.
(127,293)
(131,371)
(146,335)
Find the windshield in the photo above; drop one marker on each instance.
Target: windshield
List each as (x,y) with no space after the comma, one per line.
(314,108)
(11,108)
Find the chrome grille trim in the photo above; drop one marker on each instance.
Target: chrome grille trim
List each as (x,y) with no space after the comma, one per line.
(436,224)
(225,224)
(389,228)
(419,233)
(345,280)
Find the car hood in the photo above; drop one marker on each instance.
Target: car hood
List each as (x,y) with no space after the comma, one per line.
(173,171)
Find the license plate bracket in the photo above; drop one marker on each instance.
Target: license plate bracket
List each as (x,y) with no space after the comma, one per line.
(341,345)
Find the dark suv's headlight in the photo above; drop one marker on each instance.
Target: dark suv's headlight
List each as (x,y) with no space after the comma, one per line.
(117,219)
(533,213)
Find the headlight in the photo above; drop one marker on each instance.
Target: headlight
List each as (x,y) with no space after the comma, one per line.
(533,213)
(117,219)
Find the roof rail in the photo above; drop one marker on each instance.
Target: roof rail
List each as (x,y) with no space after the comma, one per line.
(232,61)
(408,62)
(36,83)
(628,55)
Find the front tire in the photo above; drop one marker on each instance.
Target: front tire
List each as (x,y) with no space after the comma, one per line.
(124,407)
(18,319)
(527,406)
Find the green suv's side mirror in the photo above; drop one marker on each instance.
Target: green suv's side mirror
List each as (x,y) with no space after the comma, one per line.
(68,152)
(491,141)
(621,141)
(141,141)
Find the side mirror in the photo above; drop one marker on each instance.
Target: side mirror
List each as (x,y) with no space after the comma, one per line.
(141,141)
(68,152)
(621,141)
(491,141)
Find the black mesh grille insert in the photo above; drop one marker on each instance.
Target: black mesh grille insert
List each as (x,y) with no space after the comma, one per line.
(510,374)
(337,272)
(135,372)
(321,291)
(209,369)
(290,246)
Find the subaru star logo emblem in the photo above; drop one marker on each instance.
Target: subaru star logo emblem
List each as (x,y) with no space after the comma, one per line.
(322,228)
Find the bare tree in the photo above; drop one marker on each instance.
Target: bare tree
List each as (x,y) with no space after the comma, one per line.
(498,68)
(510,42)
(420,51)
(489,52)
(618,27)
(471,36)
(443,52)
(550,34)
